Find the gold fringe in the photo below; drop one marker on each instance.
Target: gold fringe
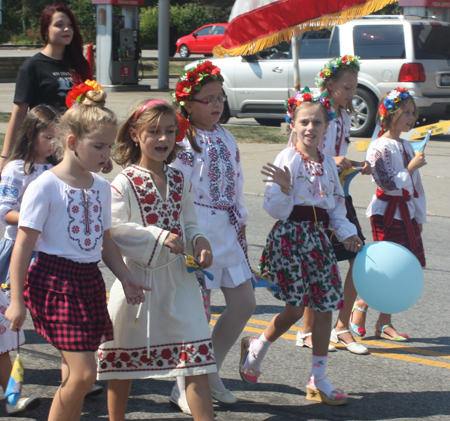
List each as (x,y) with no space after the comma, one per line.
(327,21)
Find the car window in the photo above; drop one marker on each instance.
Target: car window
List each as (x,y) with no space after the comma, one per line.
(218,30)
(431,42)
(205,31)
(320,44)
(373,42)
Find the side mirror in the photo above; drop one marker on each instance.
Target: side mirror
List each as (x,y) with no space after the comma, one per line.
(195,34)
(251,57)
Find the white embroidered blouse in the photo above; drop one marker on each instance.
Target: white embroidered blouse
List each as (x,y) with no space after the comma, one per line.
(337,136)
(389,159)
(322,191)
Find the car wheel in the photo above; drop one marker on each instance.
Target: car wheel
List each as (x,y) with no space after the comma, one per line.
(272,122)
(363,120)
(184,51)
(225,115)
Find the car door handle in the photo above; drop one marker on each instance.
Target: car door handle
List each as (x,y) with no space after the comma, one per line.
(277,70)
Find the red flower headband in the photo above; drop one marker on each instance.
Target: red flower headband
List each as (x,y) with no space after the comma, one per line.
(191,81)
(78,92)
(182,123)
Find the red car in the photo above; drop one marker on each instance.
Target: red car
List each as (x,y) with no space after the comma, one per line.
(202,41)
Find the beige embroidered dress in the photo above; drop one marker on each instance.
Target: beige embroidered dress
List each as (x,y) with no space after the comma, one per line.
(171,337)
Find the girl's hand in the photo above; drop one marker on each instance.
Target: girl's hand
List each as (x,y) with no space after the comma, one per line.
(342,162)
(278,176)
(175,243)
(16,314)
(108,167)
(134,290)
(420,228)
(417,162)
(353,244)
(203,253)
(366,169)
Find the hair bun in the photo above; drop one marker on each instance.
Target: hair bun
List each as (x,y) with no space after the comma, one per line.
(95,98)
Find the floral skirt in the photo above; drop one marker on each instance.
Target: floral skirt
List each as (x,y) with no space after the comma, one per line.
(299,259)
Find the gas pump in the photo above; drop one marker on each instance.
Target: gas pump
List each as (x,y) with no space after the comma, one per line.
(118,49)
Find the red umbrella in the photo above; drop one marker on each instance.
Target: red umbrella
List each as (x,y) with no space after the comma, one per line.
(258,24)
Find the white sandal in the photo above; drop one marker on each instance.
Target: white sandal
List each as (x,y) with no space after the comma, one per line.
(354,347)
(301,341)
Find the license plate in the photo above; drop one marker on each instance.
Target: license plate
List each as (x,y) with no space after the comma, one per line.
(445,80)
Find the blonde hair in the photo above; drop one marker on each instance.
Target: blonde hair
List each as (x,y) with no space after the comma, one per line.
(390,118)
(309,104)
(127,150)
(335,77)
(87,118)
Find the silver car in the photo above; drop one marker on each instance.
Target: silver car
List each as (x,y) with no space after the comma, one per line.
(407,51)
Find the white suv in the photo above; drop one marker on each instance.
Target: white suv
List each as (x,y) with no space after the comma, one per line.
(407,51)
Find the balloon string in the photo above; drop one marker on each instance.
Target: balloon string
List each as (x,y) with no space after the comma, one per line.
(315,214)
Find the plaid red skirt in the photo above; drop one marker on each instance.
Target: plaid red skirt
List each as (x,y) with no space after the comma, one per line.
(397,233)
(338,247)
(67,302)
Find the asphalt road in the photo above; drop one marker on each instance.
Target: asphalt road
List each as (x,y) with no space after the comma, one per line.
(408,381)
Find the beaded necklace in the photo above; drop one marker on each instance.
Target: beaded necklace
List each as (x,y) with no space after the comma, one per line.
(312,167)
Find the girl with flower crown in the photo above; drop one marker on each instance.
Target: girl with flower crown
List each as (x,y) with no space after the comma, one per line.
(339,79)
(154,224)
(304,193)
(212,162)
(65,216)
(398,208)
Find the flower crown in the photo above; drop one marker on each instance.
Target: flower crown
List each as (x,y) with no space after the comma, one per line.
(182,126)
(392,101)
(307,96)
(334,65)
(78,92)
(191,81)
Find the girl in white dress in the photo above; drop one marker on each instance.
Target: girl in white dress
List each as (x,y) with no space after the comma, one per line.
(304,193)
(66,216)
(35,152)
(339,79)
(154,224)
(212,162)
(398,209)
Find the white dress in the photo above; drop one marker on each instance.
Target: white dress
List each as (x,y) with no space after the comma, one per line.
(216,174)
(388,159)
(171,337)
(337,136)
(13,184)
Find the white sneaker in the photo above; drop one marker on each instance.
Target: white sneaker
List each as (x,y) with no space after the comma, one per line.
(24,404)
(301,341)
(96,389)
(354,347)
(179,401)
(224,397)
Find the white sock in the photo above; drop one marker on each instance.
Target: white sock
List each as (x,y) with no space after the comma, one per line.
(319,365)
(259,349)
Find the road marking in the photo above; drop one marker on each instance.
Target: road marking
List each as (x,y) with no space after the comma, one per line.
(387,349)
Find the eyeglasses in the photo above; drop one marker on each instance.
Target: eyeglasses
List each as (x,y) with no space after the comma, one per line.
(212,101)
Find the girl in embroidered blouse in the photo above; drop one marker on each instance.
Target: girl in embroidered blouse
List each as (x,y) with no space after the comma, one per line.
(34,152)
(65,216)
(304,193)
(211,160)
(396,176)
(154,224)
(339,79)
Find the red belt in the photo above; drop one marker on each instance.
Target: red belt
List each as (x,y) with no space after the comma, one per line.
(401,202)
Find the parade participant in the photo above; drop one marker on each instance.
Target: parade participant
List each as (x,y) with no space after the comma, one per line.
(154,224)
(398,208)
(65,216)
(212,162)
(339,79)
(303,192)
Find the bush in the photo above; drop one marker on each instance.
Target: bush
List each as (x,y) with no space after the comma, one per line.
(186,19)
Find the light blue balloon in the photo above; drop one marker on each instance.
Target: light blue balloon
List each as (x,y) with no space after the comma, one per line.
(388,277)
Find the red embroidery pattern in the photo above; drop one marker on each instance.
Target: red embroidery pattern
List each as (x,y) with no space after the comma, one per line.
(154,210)
(162,357)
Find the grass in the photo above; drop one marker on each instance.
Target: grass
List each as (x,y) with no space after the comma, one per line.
(150,67)
(4,117)
(257,134)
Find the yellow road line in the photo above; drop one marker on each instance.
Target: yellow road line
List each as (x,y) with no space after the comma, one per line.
(387,352)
